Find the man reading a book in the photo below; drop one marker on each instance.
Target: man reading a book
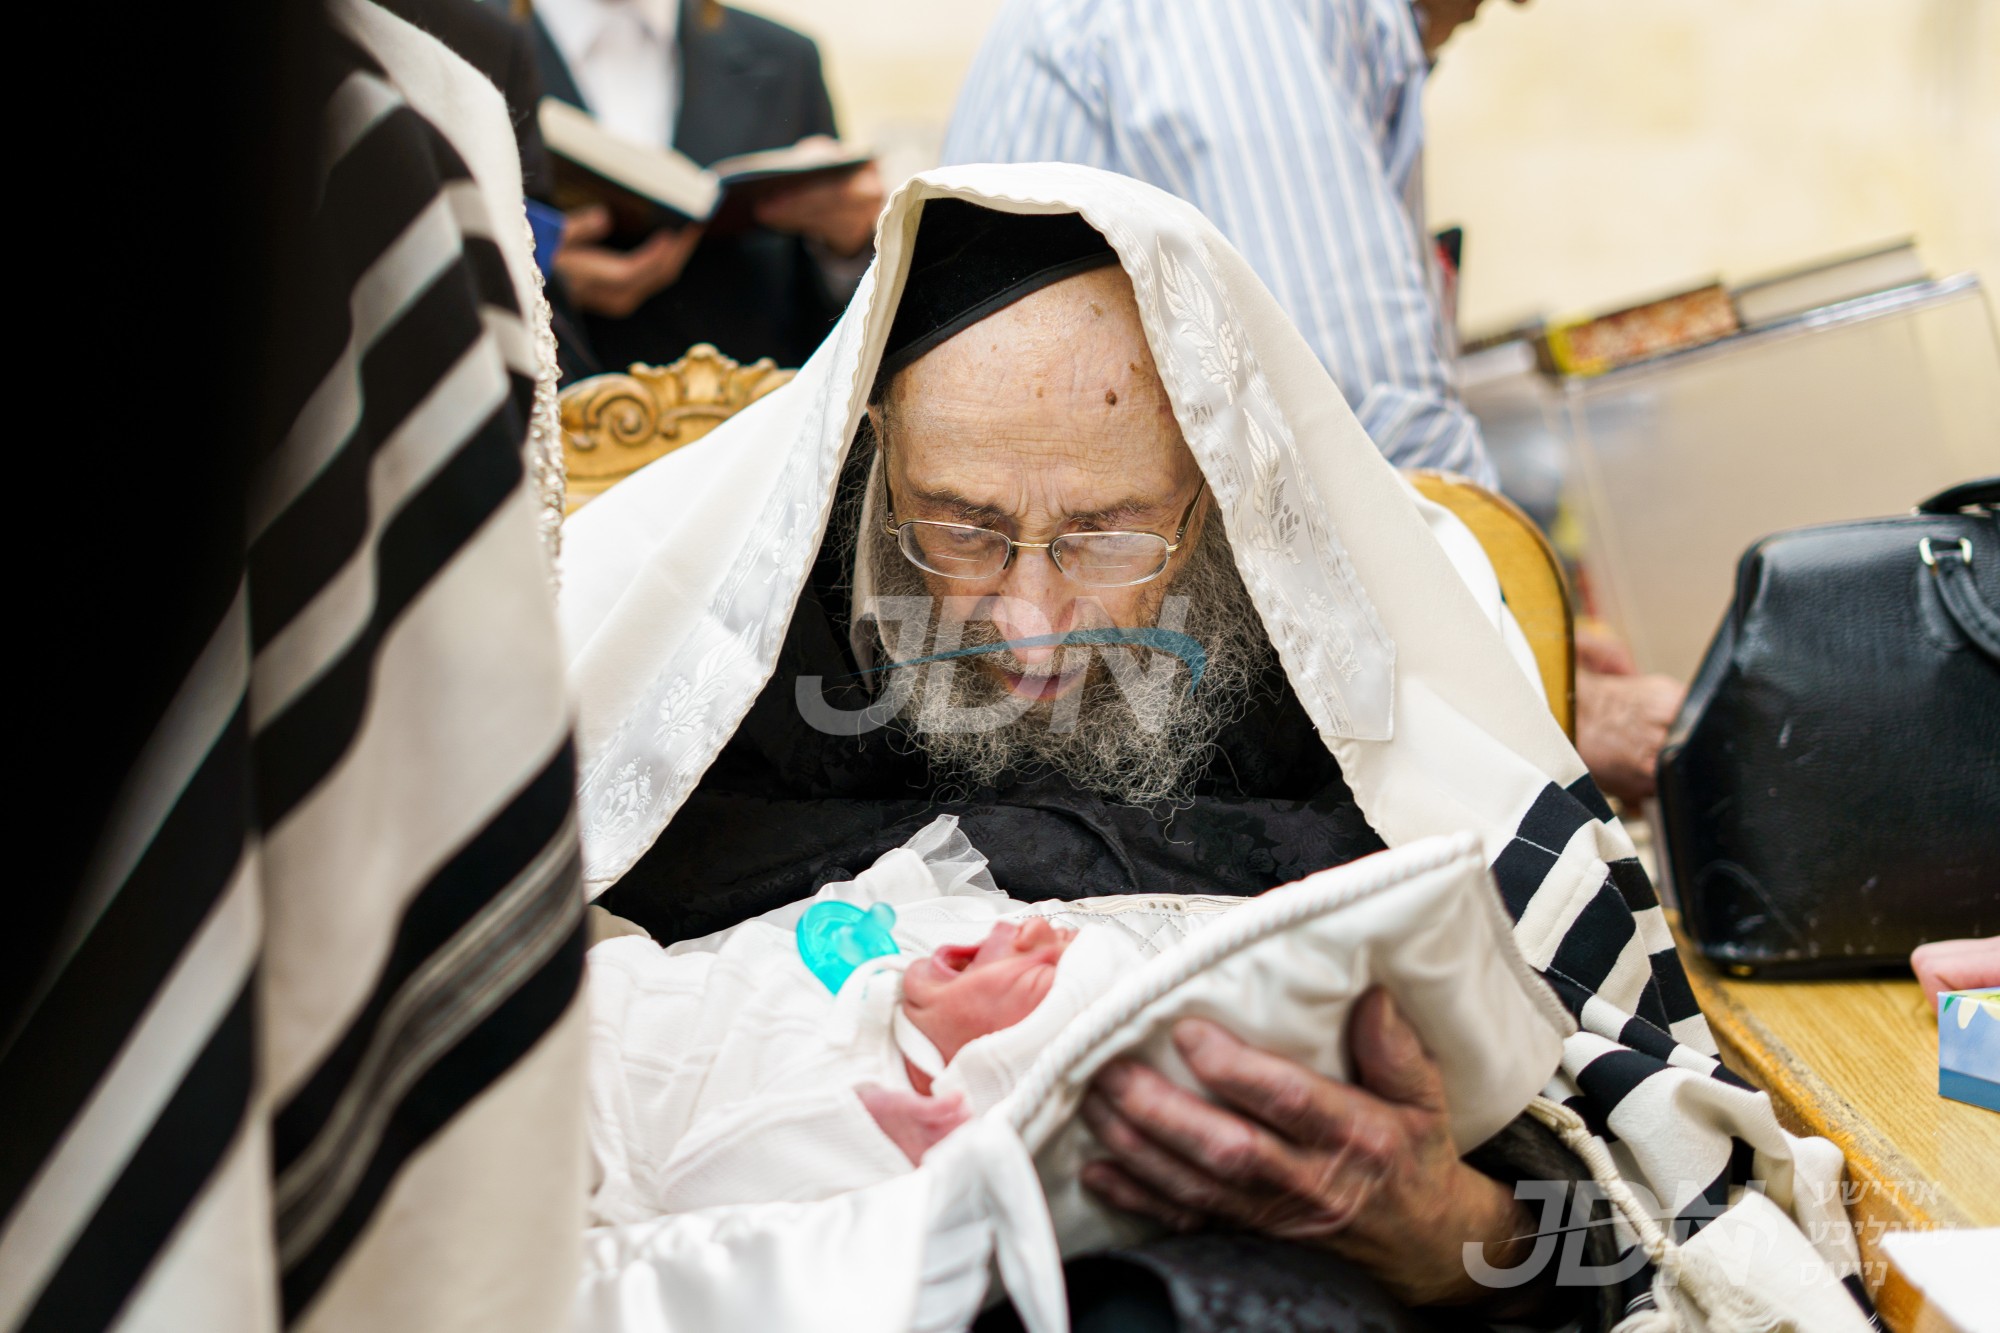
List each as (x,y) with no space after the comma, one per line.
(711,83)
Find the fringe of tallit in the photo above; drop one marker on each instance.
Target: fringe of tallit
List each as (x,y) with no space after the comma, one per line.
(1681,1277)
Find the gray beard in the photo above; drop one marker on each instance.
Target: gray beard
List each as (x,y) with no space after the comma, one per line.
(1132,732)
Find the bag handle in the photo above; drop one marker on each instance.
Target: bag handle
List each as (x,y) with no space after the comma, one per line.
(1979,491)
(1950,563)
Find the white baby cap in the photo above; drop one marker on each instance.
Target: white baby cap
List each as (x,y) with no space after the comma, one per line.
(987,1068)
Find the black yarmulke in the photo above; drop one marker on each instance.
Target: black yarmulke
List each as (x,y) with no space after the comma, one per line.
(970,262)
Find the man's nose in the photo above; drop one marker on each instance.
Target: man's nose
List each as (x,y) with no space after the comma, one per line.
(1035,599)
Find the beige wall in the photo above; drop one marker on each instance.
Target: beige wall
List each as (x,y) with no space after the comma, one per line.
(894,66)
(1597,150)
(1602,149)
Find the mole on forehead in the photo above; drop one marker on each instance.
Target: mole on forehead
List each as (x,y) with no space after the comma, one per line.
(1083,398)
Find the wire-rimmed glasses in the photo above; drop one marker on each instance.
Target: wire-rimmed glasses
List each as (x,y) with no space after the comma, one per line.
(1094,559)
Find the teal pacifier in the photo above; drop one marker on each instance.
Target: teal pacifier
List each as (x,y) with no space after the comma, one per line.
(836,938)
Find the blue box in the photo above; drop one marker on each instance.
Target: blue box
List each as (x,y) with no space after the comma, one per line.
(1969,1046)
(547,224)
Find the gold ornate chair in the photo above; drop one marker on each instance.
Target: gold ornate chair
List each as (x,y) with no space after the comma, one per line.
(613,425)
(1531,579)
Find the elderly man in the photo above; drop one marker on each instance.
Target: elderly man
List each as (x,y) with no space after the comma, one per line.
(1066,532)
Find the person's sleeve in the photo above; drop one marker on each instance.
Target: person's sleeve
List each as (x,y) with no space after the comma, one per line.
(815,102)
(1582,1277)
(524,96)
(839,275)
(1246,110)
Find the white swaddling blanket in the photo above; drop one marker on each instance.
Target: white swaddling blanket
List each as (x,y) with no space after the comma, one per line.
(1282,972)
(722,1071)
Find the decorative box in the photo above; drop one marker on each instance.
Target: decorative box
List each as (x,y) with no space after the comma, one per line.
(1969,1046)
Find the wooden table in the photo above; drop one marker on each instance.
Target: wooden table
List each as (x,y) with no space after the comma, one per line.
(1856,1062)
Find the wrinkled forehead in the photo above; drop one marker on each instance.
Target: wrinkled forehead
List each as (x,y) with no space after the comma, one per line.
(1060,382)
(1019,351)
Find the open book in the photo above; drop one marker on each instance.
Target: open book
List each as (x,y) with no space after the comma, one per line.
(1593,346)
(647,187)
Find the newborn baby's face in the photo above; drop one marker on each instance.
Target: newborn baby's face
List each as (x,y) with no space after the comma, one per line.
(965,991)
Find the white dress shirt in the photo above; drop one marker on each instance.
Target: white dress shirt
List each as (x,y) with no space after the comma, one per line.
(622,55)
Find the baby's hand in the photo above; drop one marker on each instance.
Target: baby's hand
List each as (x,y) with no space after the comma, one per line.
(913,1122)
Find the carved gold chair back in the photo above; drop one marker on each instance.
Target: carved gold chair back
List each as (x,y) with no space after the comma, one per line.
(613,425)
(1531,579)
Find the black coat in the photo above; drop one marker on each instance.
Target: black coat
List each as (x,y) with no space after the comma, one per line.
(504,52)
(746,84)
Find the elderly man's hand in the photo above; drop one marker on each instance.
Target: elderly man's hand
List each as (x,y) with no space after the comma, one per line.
(1369,1172)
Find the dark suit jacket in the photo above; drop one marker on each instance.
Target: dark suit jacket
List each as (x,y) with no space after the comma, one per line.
(746,84)
(504,52)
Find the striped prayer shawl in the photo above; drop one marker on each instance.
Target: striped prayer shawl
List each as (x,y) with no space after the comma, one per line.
(308,1055)
(1641,1075)
(1614,967)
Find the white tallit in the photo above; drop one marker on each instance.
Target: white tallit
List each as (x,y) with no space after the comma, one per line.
(679,585)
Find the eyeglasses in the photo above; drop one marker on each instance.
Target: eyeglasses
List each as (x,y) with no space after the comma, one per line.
(1095,559)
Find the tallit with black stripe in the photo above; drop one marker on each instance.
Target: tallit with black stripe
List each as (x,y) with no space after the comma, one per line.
(679,584)
(309,1055)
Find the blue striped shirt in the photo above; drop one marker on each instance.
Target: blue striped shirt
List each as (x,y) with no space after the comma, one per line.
(1295,126)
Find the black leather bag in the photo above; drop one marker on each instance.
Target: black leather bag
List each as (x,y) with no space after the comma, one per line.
(1830,793)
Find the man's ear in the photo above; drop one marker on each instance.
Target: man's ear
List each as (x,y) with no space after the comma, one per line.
(879,429)
(1206,511)
(1205,504)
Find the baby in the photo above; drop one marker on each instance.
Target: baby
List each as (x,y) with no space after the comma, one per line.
(724,1071)
(951,998)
